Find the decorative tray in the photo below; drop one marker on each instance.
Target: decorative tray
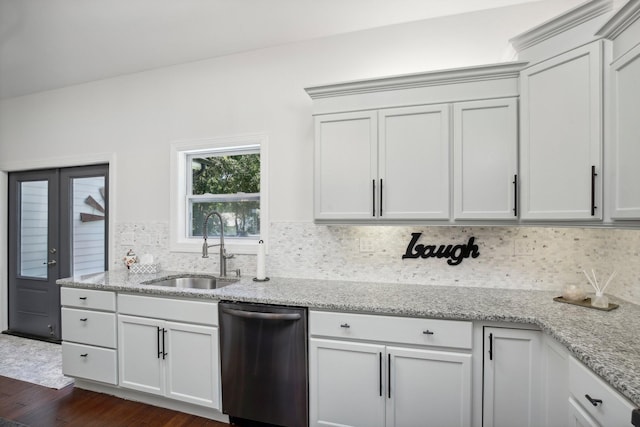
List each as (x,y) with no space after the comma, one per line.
(586,303)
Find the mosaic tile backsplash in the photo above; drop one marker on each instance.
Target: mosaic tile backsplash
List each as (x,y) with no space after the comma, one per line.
(510,257)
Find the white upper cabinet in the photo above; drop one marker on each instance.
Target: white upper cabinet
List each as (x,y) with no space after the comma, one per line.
(485,159)
(383,147)
(346,155)
(561,136)
(626,135)
(386,164)
(624,127)
(413,163)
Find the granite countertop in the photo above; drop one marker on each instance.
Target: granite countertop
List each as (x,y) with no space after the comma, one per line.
(606,342)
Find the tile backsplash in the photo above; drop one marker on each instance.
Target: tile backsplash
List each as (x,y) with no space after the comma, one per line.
(510,257)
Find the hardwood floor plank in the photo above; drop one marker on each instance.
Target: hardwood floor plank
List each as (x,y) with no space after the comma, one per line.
(39,406)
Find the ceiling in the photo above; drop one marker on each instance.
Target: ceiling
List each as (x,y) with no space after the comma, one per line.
(48,44)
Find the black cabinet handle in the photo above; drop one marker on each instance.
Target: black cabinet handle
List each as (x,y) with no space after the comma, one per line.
(345,325)
(164,353)
(84,319)
(428,332)
(373,208)
(83,298)
(490,346)
(594,402)
(158,342)
(380,371)
(515,195)
(84,354)
(389,376)
(593,190)
(381,197)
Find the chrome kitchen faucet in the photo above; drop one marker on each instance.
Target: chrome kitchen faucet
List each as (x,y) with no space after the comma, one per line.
(223,252)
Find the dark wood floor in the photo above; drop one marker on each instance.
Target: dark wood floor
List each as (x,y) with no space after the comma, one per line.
(44,407)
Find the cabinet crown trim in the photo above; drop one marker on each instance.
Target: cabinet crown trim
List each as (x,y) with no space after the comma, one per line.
(568,20)
(619,22)
(507,70)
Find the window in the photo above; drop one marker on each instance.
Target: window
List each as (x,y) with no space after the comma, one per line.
(226,175)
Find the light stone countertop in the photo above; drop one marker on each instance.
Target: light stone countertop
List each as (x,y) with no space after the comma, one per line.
(606,342)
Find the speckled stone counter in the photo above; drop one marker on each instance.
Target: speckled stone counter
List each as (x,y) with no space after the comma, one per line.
(606,342)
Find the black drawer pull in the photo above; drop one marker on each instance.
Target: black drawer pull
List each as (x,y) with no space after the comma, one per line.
(428,332)
(84,319)
(83,298)
(594,402)
(345,325)
(84,355)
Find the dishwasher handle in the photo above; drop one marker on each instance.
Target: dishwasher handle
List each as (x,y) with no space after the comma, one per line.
(262,316)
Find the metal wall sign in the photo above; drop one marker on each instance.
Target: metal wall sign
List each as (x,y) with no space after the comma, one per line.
(454,254)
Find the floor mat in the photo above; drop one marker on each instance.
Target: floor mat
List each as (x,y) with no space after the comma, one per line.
(37,362)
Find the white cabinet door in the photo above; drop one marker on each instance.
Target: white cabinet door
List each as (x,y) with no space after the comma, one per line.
(414,162)
(346,154)
(140,344)
(625,128)
(555,388)
(192,364)
(428,388)
(346,382)
(485,153)
(511,377)
(561,141)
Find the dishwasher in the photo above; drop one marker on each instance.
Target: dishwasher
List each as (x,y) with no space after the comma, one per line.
(263,356)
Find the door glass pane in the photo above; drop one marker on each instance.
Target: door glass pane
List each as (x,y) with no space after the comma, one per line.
(34,215)
(88,225)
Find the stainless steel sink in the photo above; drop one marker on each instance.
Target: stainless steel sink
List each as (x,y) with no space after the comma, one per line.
(192,282)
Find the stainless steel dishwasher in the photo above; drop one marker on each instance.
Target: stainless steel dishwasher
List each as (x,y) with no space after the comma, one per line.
(263,354)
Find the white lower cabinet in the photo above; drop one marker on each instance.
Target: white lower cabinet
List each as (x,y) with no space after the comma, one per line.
(512,383)
(555,387)
(593,402)
(160,353)
(377,383)
(176,360)
(89,335)
(428,388)
(346,383)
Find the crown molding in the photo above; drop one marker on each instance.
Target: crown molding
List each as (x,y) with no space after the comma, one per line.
(408,81)
(619,22)
(568,20)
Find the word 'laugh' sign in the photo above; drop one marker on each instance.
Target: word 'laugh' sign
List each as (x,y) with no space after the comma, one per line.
(454,254)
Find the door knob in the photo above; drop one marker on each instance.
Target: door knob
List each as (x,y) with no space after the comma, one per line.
(52,262)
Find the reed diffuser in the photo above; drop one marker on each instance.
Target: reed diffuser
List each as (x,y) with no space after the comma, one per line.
(600,300)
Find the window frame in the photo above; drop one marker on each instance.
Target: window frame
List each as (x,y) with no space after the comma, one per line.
(180,194)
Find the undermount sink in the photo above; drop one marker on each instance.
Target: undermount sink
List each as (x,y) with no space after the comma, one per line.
(192,282)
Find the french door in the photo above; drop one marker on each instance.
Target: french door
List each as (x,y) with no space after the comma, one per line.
(57,228)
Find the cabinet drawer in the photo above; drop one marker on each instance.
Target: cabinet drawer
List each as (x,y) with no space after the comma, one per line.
(203,312)
(614,410)
(403,330)
(88,298)
(89,327)
(92,363)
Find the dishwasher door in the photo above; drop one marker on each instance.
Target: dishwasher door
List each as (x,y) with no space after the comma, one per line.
(263,355)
